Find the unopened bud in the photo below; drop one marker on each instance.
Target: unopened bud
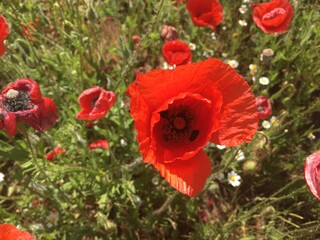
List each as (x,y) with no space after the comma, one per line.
(169,33)
(266,55)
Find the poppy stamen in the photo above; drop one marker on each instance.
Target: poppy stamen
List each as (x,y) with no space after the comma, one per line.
(17,101)
(179,123)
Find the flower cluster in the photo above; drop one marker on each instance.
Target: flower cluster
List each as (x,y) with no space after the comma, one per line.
(23,101)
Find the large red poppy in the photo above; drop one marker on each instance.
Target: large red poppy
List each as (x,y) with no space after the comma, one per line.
(10,232)
(205,12)
(23,101)
(264,107)
(176,53)
(178,111)
(312,173)
(274,16)
(95,103)
(4,32)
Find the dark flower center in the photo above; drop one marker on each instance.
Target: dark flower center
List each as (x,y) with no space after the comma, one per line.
(17,101)
(177,124)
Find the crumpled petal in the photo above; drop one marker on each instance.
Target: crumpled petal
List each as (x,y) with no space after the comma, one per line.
(176,52)
(188,177)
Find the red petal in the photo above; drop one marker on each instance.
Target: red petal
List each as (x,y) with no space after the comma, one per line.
(2,48)
(95,102)
(312,173)
(4,28)
(141,115)
(188,177)
(102,144)
(10,232)
(176,53)
(10,124)
(48,113)
(26,85)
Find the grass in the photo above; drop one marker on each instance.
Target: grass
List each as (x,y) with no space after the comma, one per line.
(112,194)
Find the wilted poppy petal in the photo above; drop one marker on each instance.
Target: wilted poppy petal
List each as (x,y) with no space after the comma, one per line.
(312,173)
(10,232)
(188,177)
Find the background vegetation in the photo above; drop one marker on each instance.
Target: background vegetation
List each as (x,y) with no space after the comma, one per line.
(112,194)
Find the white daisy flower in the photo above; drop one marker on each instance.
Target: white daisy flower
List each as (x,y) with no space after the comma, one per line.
(213,36)
(243,9)
(240,155)
(311,136)
(264,81)
(165,66)
(243,23)
(220,147)
(52,219)
(123,142)
(233,63)
(246,1)
(253,68)
(1,177)
(234,179)
(224,54)
(266,124)
(192,46)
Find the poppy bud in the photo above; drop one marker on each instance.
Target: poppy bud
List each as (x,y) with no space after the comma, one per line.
(266,56)
(250,167)
(169,33)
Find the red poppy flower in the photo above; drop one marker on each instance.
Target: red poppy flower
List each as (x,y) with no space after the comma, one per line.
(205,12)
(169,33)
(176,53)
(55,152)
(136,40)
(23,101)
(178,111)
(10,232)
(274,16)
(102,144)
(312,173)
(4,32)
(264,107)
(95,103)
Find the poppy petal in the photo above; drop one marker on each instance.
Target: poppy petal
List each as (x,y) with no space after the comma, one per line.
(188,177)
(48,113)
(10,124)
(312,173)
(2,48)
(10,232)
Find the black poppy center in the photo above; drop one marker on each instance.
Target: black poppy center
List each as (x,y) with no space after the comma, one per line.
(20,101)
(178,124)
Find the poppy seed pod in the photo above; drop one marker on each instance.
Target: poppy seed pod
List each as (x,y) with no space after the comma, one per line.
(266,55)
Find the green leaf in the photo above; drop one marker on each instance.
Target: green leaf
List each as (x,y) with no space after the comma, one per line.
(8,151)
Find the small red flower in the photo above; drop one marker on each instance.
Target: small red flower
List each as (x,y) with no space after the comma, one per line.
(27,31)
(205,12)
(176,112)
(264,107)
(10,232)
(176,53)
(95,103)
(274,16)
(102,144)
(4,32)
(55,152)
(136,40)
(23,101)
(169,33)
(312,173)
